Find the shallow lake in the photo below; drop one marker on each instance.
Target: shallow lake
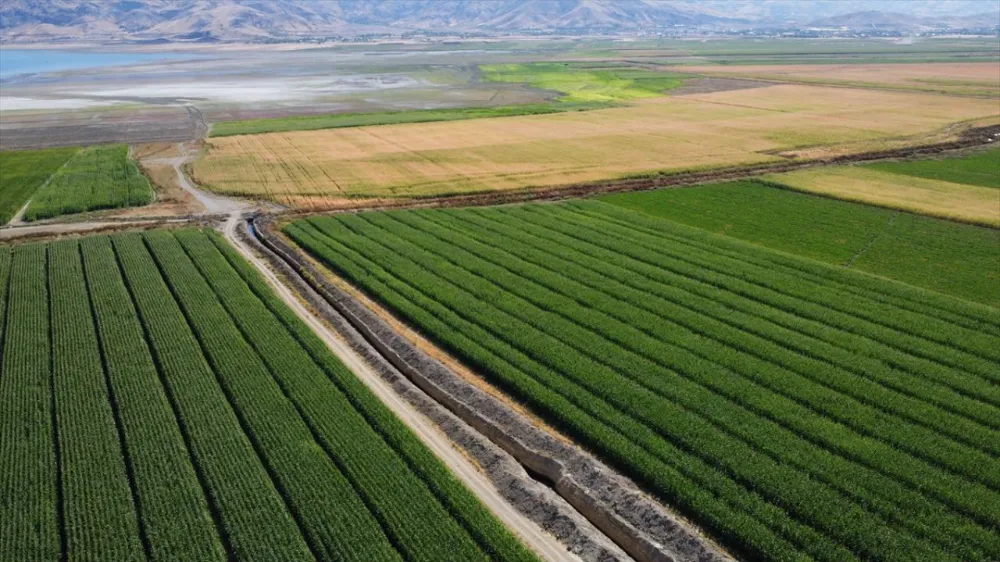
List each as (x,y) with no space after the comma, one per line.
(14,62)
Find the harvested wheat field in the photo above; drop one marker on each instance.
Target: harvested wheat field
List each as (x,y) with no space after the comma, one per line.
(971,78)
(668,133)
(967,203)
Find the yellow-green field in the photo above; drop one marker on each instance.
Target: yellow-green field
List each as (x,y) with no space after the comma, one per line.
(663,133)
(967,203)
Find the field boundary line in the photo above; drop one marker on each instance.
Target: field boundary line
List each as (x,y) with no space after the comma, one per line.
(969,138)
(18,219)
(789,80)
(871,241)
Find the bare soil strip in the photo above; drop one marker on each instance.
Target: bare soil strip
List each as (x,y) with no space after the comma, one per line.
(50,231)
(18,218)
(710,84)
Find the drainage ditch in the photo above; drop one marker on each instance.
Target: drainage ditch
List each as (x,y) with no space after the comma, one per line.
(550,475)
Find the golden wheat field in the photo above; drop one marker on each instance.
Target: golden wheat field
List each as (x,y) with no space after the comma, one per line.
(668,133)
(968,203)
(972,78)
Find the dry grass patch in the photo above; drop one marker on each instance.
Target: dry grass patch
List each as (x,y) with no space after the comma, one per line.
(668,133)
(970,78)
(968,203)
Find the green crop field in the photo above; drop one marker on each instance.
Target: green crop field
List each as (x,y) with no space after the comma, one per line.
(97,177)
(586,83)
(792,409)
(957,259)
(339,120)
(981,168)
(158,402)
(22,172)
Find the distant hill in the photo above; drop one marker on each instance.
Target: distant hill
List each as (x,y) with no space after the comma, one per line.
(243,20)
(906,22)
(871,19)
(34,20)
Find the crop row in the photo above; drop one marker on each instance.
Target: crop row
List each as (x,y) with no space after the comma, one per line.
(491,536)
(927,252)
(691,287)
(699,371)
(179,411)
(97,177)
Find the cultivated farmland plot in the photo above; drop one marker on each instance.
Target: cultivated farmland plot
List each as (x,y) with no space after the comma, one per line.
(794,410)
(158,402)
(97,177)
(23,172)
(958,259)
(694,131)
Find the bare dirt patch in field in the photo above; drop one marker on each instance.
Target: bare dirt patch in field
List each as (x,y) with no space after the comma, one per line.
(970,78)
(156,150)
(717,84)
(29,129)
(669,133)
(968,203)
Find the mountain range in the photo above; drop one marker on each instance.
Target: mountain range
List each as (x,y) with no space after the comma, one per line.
(251,20)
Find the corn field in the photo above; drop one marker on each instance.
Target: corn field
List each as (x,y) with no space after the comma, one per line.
(158,402)
(792,409)
(97,177)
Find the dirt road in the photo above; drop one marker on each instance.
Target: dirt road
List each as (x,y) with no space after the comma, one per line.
(57,228)
(214,204)
(544,544)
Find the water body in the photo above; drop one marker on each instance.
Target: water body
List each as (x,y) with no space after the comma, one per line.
(15,62)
